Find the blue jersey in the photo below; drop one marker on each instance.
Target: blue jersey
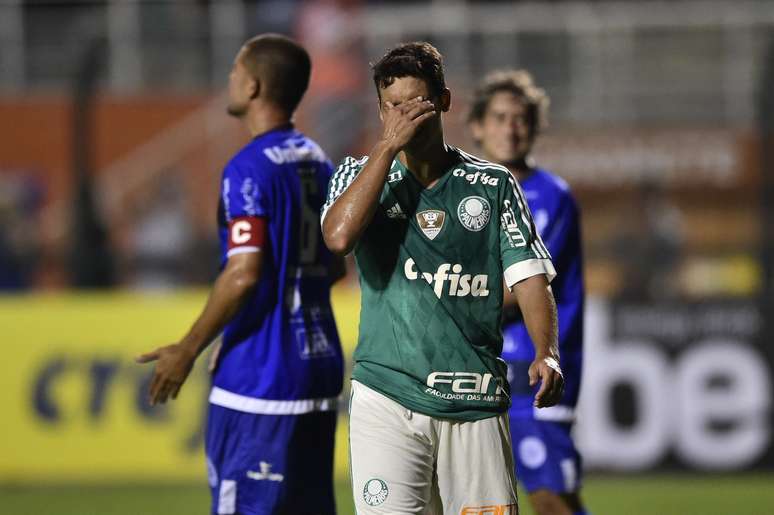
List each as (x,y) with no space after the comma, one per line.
(280,354)
(555,213)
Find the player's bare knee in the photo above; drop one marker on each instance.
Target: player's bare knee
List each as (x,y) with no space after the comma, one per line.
(545,502)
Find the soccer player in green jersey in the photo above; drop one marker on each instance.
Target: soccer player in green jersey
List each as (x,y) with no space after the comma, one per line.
(436,233)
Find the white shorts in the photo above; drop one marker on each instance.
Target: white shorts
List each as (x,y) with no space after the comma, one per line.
(406,462)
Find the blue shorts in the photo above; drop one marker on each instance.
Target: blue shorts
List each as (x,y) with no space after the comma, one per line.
(545,455)
(266,464)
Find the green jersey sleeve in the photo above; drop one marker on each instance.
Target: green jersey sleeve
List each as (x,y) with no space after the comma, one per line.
(522,251)
(340,181)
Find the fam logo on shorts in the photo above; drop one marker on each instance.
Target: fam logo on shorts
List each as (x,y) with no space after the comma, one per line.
(431,222)
(492,509)
(473,213)
(375,492)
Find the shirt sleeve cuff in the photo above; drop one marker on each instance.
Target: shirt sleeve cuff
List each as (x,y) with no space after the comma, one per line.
(524,269)
(242,250)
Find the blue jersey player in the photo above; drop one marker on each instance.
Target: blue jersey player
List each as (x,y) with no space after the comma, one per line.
(506,115)
(277,374)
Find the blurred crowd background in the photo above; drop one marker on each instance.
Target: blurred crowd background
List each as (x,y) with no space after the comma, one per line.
(654,122)
(113,135)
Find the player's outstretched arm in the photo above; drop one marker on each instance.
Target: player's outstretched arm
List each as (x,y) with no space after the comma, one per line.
(174,362)
(352,212)
(539,310)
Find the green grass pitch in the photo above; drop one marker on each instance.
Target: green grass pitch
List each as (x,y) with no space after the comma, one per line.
(673,494)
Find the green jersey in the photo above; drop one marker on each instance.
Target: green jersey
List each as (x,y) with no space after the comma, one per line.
(431,266)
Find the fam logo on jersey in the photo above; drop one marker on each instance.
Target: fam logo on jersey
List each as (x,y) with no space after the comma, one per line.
(476,177)
(460,285)
(394,176)
(431,222)
(473,213)
(511,227)
(467,383)
(492,509)
(375,492)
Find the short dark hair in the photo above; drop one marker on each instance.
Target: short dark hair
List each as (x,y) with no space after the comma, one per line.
(418,59)
(521,84)
(282,65)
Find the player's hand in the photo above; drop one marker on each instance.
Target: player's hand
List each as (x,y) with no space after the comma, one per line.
(402,121)
(173,364)
(546,369)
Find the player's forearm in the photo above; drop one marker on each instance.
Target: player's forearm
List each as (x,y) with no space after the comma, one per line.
(348,217)
(538,308)
(509,298)
(228,294)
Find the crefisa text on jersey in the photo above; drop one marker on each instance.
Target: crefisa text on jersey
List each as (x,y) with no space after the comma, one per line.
(460,285)
(476,177)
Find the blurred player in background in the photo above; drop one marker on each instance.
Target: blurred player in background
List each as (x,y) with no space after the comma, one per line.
(278,371)
(435,231)
(507,114)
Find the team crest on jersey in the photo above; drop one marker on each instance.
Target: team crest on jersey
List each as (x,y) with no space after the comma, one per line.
(473,213)
(431,222)
(375,492)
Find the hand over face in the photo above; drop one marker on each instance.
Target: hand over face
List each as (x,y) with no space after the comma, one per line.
(401,122)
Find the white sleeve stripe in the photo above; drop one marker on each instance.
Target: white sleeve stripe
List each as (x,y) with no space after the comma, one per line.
(539,250)
(338,185)
(242,250)
(336,182)
(522,202)
(483,165)
(537,246)
(346,169)
(342,178)
(523,209)
(346,179)
(525,269)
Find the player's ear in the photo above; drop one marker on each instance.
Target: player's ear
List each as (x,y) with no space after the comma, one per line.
(379,109)
(444,100)
(255,88)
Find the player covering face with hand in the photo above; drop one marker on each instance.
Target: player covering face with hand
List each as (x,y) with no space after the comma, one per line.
(507,113)
(278,370)
(435,231)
